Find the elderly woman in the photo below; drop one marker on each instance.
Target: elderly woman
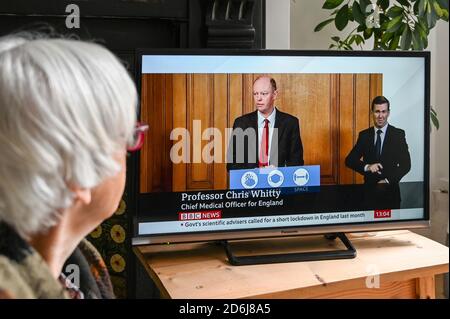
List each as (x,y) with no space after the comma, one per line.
(67,116)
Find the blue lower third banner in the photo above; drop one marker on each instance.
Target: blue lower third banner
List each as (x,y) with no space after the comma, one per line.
(275,177)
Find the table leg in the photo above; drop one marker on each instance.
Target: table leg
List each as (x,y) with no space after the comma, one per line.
(426,288)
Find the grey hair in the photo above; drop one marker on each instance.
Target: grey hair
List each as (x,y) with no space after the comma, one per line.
(66,108)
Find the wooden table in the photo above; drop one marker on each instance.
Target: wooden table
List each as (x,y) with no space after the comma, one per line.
(393,264)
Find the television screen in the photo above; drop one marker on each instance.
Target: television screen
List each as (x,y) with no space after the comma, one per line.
(246,144)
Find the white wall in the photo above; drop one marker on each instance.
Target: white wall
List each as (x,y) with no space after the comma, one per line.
(305,15)
(278,24)
(438,45)
(439,161)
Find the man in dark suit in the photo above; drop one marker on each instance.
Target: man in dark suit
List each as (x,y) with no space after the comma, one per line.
(267,136)
(381,154)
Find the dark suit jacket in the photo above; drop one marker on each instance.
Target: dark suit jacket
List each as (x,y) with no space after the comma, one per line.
(396,163)
(288,144)
(395,157)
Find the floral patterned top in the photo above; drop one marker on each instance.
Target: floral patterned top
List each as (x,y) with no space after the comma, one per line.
(24,274)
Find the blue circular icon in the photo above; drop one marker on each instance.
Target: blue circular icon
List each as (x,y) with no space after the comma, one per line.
(301,177)
(249,180)
(275,178)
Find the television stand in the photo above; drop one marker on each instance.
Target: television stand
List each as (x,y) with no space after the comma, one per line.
(348,253)
(406,267)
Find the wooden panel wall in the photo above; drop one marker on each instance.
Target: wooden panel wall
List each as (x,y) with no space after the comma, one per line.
(200,98)
(332,109)
(157,111)
(356,92)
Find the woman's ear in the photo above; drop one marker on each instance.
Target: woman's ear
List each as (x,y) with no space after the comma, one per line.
(82,195)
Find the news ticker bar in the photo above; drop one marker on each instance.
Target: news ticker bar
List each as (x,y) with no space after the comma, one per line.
(276,177)
(213,221)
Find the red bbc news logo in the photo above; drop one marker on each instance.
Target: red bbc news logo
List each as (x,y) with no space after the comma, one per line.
(382,213)
(210,214)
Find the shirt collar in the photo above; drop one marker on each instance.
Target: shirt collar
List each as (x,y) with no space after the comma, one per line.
(271,117)
(383,129)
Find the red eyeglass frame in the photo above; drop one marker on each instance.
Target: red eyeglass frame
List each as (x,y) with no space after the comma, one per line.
(139,131)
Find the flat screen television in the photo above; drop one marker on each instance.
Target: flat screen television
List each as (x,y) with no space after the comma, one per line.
(211,170)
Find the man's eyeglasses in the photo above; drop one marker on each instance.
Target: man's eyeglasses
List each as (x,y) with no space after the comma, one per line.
(138,137)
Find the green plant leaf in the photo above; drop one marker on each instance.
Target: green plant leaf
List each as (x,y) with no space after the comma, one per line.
(433,111)
(331,46)
(384,18)
(434,118)
(416,8)
(445,17)
(351,40)
(361,28)
(394,32)
(394,11)
(331,4)
(422,7)
(404,3)
(383,4)
(363,4)
(435,121)
(341,20)
(443,4)
(417,41)
(335,38)
(357,13)
(400,30)
(383,46)
(358,39)
(350,15)
(322,24)
(346,46)
(393,45)
(405,44)
(378,32)
(424,43)
(431,19)
(422,27)
(394,24)
(423,30)
(386,37)
(367,33)
(437,8)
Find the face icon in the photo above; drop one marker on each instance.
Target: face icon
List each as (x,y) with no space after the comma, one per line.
(380,114)
(264,95)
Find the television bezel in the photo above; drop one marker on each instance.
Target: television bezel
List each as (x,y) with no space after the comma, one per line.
(291,230)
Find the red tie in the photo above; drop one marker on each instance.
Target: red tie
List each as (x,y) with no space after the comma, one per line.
(264,149)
